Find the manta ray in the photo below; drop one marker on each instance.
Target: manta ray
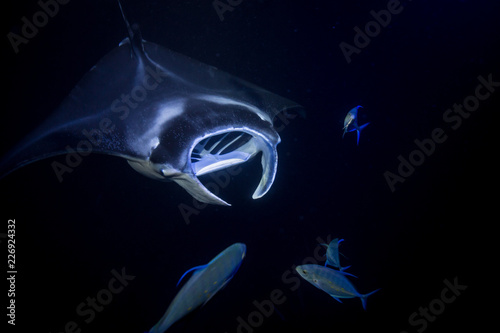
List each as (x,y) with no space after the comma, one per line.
(169,116)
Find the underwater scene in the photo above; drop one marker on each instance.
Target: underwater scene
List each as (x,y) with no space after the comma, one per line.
(249,166)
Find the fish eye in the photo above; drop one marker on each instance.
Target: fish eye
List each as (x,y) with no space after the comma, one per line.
(304,271)
(315,280)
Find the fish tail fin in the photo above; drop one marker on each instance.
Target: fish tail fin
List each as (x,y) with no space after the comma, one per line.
(365,296)
(359,129)
(325,245)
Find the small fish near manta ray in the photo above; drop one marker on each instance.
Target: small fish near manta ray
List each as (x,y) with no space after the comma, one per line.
(333,254)
(351,122)
(333,282)
(195,121)
(205,282)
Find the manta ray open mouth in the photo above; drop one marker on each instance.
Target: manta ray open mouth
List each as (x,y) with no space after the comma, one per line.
(228,148)
(220,151)
(179,119)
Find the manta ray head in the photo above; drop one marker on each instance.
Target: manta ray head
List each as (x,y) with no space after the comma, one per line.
(208,134)
(173,118)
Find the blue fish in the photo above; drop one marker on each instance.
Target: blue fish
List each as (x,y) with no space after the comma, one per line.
(332,254)
(205,282)
(351,122)
(331,281)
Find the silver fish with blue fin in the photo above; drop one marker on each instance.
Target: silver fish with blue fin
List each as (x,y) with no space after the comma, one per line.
(205,282)
(332,282)
(171,118)
(333,254)
(351,122)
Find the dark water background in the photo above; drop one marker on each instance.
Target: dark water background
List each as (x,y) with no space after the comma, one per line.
(437,225)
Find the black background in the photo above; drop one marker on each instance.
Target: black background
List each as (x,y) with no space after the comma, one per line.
(104,216)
